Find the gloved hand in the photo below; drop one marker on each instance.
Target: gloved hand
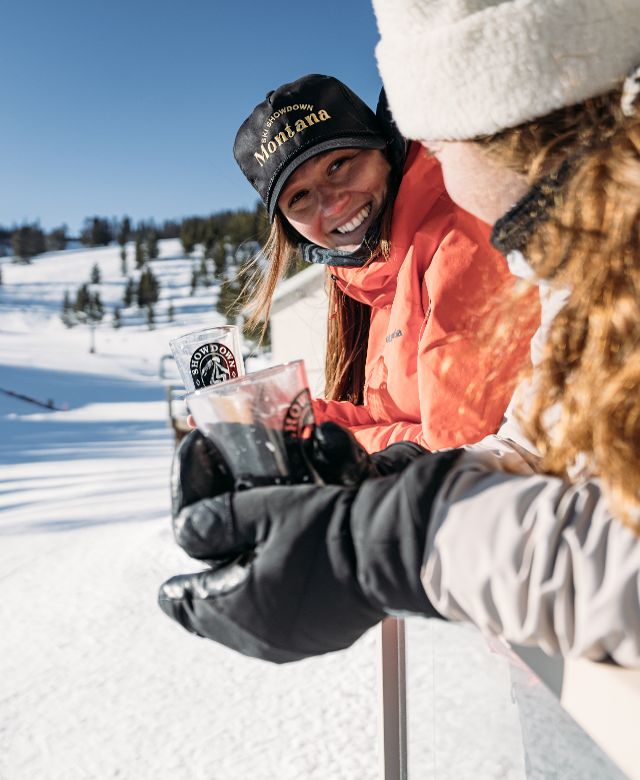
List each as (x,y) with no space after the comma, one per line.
(395,458)
(200,471)
(315,566)
(339,459)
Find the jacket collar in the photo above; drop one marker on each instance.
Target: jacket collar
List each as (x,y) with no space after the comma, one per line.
(420,188)
(514,230)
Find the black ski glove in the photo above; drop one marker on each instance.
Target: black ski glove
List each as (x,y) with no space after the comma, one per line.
(340,460)
(200,471)
(315,566)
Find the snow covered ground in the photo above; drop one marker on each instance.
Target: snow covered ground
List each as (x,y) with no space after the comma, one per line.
(95,682)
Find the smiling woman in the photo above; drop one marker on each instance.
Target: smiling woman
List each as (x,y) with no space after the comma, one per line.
(411,275)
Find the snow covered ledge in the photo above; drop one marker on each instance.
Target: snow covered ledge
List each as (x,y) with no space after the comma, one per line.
(299,323)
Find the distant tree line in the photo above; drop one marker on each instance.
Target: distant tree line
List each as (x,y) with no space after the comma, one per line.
(219,245)
(234,227)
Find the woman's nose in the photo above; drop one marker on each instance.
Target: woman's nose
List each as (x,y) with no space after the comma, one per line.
(332,201)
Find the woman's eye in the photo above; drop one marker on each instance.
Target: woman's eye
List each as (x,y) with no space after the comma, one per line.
(337,164)
(297,197)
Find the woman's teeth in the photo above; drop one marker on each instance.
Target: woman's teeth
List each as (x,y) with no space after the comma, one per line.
(359,218)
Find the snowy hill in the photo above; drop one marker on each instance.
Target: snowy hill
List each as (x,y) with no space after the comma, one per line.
(95,682)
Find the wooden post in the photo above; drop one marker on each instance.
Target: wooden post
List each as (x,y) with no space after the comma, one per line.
(393,700)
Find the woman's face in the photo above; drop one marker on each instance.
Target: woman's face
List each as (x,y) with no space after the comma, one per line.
(333,198)
(475,181)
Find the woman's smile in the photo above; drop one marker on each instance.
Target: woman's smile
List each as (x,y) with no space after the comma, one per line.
(356,221)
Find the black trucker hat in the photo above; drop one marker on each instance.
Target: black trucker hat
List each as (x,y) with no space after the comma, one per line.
(297,121)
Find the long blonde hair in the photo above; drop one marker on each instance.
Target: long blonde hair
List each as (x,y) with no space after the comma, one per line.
(586,407)
(348,320)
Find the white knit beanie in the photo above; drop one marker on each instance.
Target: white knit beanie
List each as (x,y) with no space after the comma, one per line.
(457,69)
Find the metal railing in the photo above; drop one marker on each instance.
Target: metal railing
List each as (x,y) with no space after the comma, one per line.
(393,699)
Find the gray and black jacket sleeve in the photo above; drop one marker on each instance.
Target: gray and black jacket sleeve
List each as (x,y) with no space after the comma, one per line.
(535,559)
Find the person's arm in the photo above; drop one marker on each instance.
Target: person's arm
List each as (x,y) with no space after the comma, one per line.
(371,435)
(536,560)
(298,571)
(342,413)
(377,436)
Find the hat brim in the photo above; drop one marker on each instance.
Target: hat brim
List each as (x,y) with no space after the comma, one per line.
(344,142)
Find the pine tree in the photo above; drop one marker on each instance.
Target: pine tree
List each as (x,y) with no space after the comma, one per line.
(123,262)
(240,226)
(67,315)
(261,224)
(148,288)
(142,292)
(152,250)
(27,242)
(219,259)
(203,272)
(188,235)
(170,229)
(97,309)
(83,299)
(140,258)
(96,276)
(117,318)
(194,279)
(210,235)
(230,300)
(57,239)
(170,312)
(124,232)
(129,293)
(96,231)
(155,287)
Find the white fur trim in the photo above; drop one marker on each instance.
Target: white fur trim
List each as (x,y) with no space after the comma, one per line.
(457,69)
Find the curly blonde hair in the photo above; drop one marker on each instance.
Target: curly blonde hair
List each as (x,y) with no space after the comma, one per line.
(588,382)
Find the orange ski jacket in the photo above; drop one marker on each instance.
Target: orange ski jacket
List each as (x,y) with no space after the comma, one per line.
(427,301)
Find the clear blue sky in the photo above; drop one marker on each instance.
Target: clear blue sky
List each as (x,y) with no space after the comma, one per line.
(114,108)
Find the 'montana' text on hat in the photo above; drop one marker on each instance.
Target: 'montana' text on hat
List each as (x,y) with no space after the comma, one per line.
(457,69)
(297,121)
